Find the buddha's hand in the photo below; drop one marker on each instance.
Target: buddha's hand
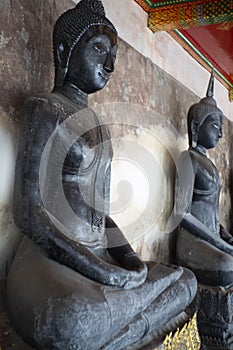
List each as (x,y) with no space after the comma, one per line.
(225,235)
(136,270)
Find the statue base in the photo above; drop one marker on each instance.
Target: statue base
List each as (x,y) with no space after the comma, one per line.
(185,337)
(215,318)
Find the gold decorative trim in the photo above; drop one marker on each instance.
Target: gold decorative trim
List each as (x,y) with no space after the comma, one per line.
(177,14)
(231,94)
(225,26)
(143,5)
(186,339)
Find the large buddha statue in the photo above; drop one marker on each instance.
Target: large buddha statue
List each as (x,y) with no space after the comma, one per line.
(75,282)
(203,244)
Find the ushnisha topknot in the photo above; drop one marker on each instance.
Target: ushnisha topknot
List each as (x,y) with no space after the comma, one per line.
(207,106)
(72,24)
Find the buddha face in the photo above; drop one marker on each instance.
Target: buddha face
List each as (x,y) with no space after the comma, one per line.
(92,62)
(210,131)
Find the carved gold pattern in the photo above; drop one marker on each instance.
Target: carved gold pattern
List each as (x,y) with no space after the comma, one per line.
(231,95)
(144,5)
(225,26)
(175,14)
(185,339)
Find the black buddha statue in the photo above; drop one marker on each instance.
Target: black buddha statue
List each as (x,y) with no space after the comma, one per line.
(202,235)
(79,284)
(203,244)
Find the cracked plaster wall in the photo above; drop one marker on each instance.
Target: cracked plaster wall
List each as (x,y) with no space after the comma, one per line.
(26,68)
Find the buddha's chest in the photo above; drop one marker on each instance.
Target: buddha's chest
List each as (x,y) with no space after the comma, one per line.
(207,180)
(85,180)
(90,151)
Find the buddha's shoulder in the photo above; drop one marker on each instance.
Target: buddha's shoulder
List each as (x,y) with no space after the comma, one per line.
(48,101)
(47,108)
(52,103)
(184,157)
(188,160)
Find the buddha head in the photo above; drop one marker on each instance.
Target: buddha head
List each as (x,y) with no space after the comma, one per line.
(84,47)
(205,120)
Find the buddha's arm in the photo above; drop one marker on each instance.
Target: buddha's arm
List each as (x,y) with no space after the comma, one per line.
(35,223)
(62,249)
(188,170)
(57,246)
(225,235)
(121,250)
(197,228)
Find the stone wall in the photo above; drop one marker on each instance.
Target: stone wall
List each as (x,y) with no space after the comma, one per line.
(156,126)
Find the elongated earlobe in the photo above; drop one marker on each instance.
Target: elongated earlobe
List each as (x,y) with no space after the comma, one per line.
(194,141)
(63,52)
(60,76)
(194,132)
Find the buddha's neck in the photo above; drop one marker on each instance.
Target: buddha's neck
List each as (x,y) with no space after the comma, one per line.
(200,149)
(73,93)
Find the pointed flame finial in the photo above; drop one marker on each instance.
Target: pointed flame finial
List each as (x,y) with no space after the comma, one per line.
(210,90)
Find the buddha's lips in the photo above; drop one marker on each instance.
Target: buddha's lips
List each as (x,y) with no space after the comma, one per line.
(103,75)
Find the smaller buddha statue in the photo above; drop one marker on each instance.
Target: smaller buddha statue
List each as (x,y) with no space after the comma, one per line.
(83,287)
(203,244)
(201,235)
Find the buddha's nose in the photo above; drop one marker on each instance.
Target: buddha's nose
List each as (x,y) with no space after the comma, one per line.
(109,64)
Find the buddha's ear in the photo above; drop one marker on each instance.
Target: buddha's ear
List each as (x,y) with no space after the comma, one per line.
(63,52)
(194,132)
(194,126)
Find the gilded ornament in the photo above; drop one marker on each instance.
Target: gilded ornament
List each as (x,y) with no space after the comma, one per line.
(185,339)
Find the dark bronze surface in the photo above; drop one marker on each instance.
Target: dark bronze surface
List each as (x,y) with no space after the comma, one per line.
(203,244)
(75,282)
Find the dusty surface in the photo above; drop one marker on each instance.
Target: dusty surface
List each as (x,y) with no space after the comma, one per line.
(26,68)
(9,340)
(8,337)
